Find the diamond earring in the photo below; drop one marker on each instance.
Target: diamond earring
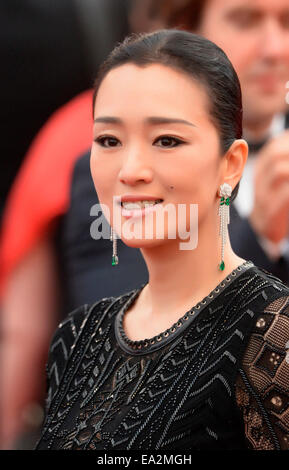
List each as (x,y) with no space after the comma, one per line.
(225,192)
(113,239)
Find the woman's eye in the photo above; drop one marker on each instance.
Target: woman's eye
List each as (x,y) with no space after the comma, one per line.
(111,141)
(168,140)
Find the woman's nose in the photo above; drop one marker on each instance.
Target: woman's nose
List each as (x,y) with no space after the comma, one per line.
(136,167)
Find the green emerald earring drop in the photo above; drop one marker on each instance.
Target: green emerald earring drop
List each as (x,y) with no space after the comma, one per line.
(113,239)
(225,192)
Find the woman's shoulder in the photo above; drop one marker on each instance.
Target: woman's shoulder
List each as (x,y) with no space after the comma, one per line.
(65,338)
(264,287)
(68,332)
(71,327)
(270,331)
(271,318)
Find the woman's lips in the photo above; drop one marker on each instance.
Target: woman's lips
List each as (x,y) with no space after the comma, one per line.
(135,213)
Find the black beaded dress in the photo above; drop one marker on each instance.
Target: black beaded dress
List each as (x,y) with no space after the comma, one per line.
(217,379)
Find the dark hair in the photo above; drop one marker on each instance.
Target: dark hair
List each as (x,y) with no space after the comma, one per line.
(198,58)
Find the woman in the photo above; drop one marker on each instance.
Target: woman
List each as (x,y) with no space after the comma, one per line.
(196,358)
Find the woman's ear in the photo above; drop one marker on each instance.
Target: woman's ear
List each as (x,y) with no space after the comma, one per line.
(234,162)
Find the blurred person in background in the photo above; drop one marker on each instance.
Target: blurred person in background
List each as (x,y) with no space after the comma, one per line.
(224,22)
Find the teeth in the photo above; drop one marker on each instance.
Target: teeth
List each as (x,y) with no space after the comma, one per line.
(139,204)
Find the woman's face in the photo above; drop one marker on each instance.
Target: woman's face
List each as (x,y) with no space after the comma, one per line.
(153,139)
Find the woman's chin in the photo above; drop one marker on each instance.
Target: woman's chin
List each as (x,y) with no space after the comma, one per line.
(143,243)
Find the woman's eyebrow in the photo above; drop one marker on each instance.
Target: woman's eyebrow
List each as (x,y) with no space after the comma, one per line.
(154,120)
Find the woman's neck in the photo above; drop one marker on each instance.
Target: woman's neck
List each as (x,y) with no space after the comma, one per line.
(178,279)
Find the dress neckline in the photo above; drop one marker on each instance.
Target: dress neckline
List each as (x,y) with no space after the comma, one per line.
(148,345)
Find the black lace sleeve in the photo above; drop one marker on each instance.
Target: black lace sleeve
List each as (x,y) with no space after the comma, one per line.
(262,385)
(60,349)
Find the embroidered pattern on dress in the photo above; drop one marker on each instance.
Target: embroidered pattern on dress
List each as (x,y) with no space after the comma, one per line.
(180,396)
(262,388)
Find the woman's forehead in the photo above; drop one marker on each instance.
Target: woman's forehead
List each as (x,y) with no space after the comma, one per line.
(132,87)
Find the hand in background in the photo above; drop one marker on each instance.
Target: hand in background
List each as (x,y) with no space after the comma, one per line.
(270,215)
